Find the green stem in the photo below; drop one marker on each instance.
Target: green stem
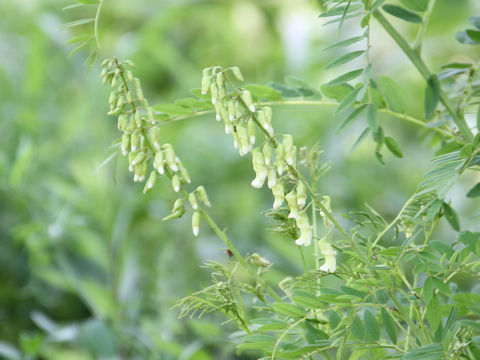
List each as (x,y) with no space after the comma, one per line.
(237,255)
(417,61)
(97,19)
(421,33)
(408,118)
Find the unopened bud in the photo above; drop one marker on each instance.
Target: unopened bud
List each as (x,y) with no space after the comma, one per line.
(303,224)
(138,159)
(131,157)
(244,144)
(196,223)
(326,202)
(150,115)
(291,199)
(122,123)
(192,199)
(247,99)
(259,168)
(272,176)
(291,156)
(279,194)
(220,79)
(301,194)
(259,261)
(178,205)
(183,172)
(202,195)
(237,73)
(155,137)
(279,159)
(232,111)
(152,179)
(126,142)
(170,157)
(158,162)
(251,131)
(267,153)
(135,140)
(214,91)
(176,184)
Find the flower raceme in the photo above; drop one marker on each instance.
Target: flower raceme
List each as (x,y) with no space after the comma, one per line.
(272,159)
(141,140)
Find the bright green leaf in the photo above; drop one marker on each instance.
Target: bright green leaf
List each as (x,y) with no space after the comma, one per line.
(451,216)
(344,59)
(393,147)
(394,94)
(389,325)
(346,77)
(263,92)
(372,117)
(402,13)
(372,329)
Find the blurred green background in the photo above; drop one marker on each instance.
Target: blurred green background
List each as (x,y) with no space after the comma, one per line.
(87,268)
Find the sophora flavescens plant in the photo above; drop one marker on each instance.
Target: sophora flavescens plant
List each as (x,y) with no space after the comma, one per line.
(394,294)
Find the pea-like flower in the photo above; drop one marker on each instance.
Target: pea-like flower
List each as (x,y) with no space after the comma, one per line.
(329,253)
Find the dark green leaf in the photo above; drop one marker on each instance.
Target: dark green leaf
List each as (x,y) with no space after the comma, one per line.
(372,117)
(433,312)
(352,116)
(451,217)
(337,92)
(285,90)
(334,319)
(402,13)
(463,38)
(427,352)
(172,109)
(348,100)
(470,239)
(357,327)
(389,325)
(78,23)
(474,35)
(345,42)
(288,309)
(360,139)
(263,92)
(194,103)
(346,77)
(432,96)
(415,5)
(372,329)
(344,59)
(474,191)
(428,290)
(394,94)
(475,21)
(456,65)
(393,147)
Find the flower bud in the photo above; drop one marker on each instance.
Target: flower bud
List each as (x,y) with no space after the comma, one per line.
(244,144)
(196,223)
(327,204)
(150,115)
(183,172)
(155,137)
(220,78)
(138,119)
(303,224)
(152,179)
(246,96)
(125,142)
(214,91)
(232,110)
(158,162)
(140,170)
(259,168)
(301,194)
(259,261)
(202,195)
(251,131)
(279,158)
(178,205)
(192,199)
(329,253)
(279,194)
(291,199)
(206,82)
(112,100)
(237,73)
(235,138)
(272,176)
(170,157)
(267,153)
(135,140)
(122,123)
(131,157)
(291,156)
(176,184)
(138,88)
(129,97)
(265,119)
(139,158)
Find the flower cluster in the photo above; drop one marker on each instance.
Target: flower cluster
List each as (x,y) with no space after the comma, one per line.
(148,157)
(273,161)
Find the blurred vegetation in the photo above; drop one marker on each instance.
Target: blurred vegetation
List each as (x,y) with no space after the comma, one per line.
(87,268)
